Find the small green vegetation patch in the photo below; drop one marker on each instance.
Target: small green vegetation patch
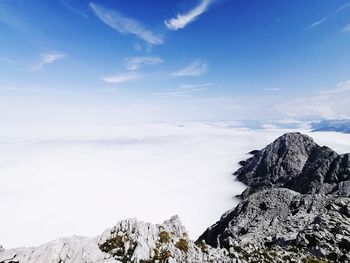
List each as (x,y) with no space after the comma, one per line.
(164,237)
(183,245)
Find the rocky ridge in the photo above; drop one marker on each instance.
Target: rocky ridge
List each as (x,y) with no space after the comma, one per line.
(296,209)
(128,241)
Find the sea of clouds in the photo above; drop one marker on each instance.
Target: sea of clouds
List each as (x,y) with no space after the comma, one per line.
(82,183)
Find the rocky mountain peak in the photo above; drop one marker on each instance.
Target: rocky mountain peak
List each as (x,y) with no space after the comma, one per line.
(296,162)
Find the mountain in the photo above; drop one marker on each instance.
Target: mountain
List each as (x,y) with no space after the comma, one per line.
(297,200)
(296,208)
(332,125)
(296,162)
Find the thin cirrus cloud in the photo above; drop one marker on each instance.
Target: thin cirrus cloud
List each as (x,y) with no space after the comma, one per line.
(194,69)
(70,6)
(48,58)
(340,88)
(346,29)
(317,23)
(135,63)
(121,78)
(183,20)
(125,25)
(272,89)
(185,90)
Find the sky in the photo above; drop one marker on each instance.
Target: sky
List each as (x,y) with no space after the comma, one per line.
(90,88)
(88,61)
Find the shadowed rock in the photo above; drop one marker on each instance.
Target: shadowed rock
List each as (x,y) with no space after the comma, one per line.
(296,162)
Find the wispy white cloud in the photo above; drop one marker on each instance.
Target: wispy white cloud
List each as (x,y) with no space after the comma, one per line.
(340,88)
(135,63)
(332,103)
(11,61)
(70,6)
(184,19)
(121,77)
(125,25)
(272,89)
(344,6)
(346,28)
(319,22)
(194,69)
(28,88)
(48,58)
(185,90)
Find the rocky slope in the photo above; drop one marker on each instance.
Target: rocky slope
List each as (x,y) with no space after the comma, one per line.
(297,203)
(128,241)
(296,209)
(283,219)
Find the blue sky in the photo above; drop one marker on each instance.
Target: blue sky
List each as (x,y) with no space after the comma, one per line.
(191,59)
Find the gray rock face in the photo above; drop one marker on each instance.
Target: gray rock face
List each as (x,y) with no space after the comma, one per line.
(129,241)
(134,241)
(296,162)
(73,249)
(281,218)
(297,205)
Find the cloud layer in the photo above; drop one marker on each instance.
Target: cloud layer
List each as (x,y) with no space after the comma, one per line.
(319,22)
(125,25)
(183,20)
(194,69)
(185,90)
(346,28)
(48,58)
(121,77)
(135,63)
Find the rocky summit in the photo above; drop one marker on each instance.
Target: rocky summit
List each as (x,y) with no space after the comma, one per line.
(296,208)
(296,162)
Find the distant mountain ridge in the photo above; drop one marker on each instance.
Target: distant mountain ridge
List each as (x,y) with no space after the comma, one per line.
(332,125)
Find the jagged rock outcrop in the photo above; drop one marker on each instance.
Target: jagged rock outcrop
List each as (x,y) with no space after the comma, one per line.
(296,162)
(73,249)
(129,241)
(134,241)
(280,218)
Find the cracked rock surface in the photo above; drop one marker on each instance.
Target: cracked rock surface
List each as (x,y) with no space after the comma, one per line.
(283,219)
